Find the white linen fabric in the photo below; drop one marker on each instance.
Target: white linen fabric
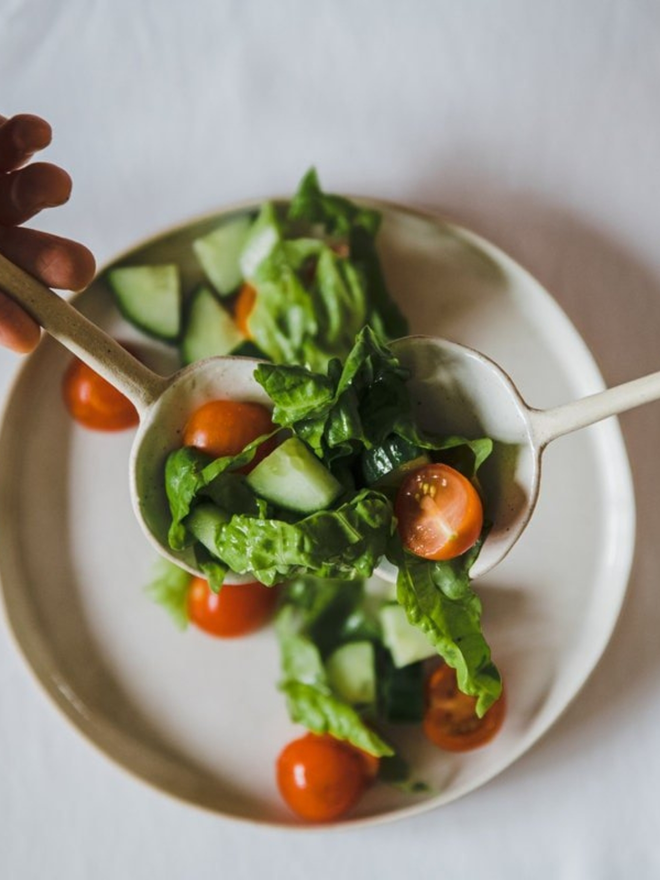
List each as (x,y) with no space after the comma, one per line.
(534,123)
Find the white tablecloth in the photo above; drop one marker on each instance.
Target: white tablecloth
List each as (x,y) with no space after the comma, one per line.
(538,125)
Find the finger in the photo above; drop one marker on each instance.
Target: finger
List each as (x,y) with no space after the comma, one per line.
(26,192)
(58,262)
(17,329)
(20,138)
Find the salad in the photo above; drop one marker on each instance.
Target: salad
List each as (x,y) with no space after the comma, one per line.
(307,498)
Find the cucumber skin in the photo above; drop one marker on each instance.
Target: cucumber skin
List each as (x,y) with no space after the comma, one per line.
(400,692)
(119,299)
(275,477)
(379,462)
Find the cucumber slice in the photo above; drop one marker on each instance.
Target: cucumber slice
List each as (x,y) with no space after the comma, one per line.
(150,298)
(204,522)
(264,235)
(210,330)
(389,462)
(352,673)
(292,477)
(219,252)
(406,643)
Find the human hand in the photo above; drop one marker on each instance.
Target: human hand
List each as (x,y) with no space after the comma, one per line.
(24,191)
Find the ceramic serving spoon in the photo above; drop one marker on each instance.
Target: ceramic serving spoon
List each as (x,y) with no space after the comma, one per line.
(456,390)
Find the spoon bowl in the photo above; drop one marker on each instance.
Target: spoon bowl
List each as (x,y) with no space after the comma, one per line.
(160,432)
(456,390)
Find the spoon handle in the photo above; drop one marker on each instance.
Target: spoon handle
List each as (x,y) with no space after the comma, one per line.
(77,333)
(552,423)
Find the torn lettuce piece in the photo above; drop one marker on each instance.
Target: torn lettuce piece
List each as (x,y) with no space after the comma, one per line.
(314,294)
(347,542)
(438,599)
(169,588)
(357,406)
(310,699)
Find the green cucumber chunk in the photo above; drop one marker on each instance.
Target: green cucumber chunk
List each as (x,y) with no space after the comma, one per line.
(264,234)
(351,672)
(210,330)
(400,692)
(150,298)
(292,477)
(406,643)
(219,254)
(204,522)
(387,464)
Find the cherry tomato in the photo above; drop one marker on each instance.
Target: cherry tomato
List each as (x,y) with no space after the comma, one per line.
(450,720)
(95,403)
(238,609)
(321,778)
(439,512)
(225,427)
(243,306)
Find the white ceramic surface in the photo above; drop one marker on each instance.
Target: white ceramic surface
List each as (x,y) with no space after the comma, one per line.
(202,719)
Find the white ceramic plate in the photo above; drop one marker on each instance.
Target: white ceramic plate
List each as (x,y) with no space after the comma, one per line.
(201,718)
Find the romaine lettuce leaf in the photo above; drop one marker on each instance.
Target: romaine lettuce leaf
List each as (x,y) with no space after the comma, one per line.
(310,699)
(347,542)
(190,473)
(169,588)
(438,599)
(313,297)
(358,226)
(358,405)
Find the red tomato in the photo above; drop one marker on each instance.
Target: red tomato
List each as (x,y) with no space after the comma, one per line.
(225,427)
(95,403)
(321,778)
(243,308)
(439,512)
(450,720)
(238,609)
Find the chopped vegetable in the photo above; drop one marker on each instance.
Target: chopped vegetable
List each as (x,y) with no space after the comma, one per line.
(209,329)
(321,778)
(150,298)
(451,721)
(93,402)
(219,253)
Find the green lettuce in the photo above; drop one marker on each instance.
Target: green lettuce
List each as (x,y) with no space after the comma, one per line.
(192,475)
(311,608)
(357,405)
(438,599)
(169,588)
(313,294)
(347,542)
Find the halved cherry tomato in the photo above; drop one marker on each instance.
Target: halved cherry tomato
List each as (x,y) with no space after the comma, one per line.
(225,427)
(450,720)
(238,609)
(243,306)
(439,512)
(95,403)
(321,778)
